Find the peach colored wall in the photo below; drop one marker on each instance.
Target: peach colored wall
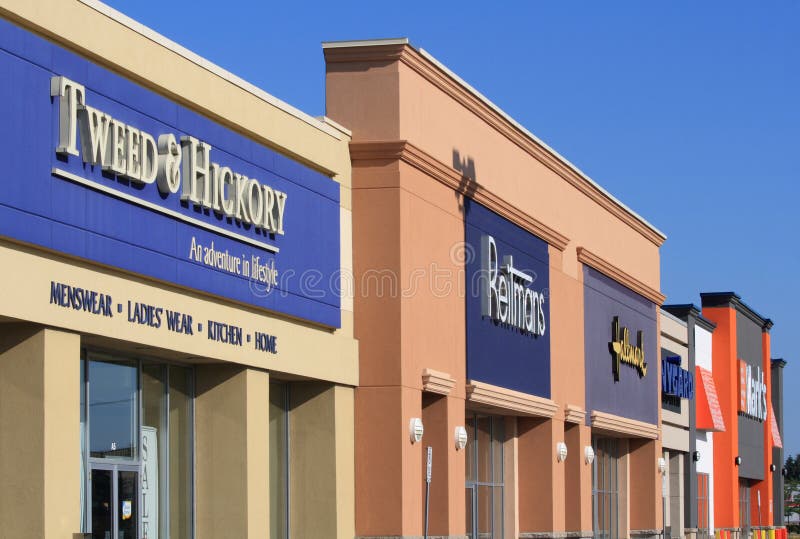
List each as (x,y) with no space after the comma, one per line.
(433,305)
(432,120)
(406,225)
(644,481)
(540,475)
(566,334)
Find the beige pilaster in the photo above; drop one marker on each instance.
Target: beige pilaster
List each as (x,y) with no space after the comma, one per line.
(232,450)
(40,441)
(321,441)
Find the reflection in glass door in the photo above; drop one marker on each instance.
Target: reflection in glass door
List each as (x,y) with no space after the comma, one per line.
(115,501)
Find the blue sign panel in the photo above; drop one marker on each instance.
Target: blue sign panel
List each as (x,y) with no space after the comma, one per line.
(507,303)
(621,345)
(674,380)
(98,167)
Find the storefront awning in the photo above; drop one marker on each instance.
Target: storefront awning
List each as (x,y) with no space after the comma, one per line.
(776,434)
(709,413)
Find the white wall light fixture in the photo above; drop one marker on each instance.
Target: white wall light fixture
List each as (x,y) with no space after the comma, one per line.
(460,437)
(561,451)
(415,430)
(662,465)
(588,454)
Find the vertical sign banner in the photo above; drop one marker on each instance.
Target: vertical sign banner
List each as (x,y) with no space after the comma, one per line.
(149,483)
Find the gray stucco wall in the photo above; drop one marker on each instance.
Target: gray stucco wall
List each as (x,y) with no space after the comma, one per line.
(751,431)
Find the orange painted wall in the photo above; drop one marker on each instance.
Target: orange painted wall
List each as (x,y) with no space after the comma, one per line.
(726,444)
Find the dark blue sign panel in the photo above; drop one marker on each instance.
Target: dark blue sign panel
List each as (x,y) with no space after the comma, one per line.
(674,380)
(621,347)
(507,309)
(100,168)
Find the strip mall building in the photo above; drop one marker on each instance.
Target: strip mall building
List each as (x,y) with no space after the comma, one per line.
(224,318)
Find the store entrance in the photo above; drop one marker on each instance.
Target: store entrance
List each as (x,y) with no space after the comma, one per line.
(605,490)
(115,501)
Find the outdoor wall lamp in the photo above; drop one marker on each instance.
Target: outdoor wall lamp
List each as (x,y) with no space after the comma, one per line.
(783,471)
(561,451)
(737,460)
(662,465)
(696,456)
(588,454)
(461,438)
(415,430)
(772,467)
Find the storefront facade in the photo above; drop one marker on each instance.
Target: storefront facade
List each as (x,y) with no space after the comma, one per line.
(482,259)
(677,414)
(743,452)
(704,420)
(178,357)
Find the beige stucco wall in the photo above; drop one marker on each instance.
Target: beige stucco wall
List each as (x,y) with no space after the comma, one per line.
(39,422)
(674,338)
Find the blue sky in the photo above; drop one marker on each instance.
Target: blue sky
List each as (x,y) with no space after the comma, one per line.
(687,111)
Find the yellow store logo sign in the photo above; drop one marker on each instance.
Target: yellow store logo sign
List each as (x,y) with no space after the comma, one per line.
(624,352)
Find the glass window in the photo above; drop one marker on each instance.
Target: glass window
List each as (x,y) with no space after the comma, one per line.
(113,408)
(605,498)
(484,474)
(279,460)
(744,507)
(138,470)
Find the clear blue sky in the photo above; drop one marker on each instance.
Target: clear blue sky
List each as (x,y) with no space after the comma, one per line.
(687,111)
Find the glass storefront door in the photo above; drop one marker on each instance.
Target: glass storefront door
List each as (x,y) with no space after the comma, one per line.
(744,507)
(605,491)
(484,485)
(114,501)
(137,448)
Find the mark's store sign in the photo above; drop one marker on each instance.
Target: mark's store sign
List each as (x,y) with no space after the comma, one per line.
(752,391)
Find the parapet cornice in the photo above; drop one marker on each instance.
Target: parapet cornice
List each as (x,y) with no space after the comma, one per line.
(734,301)
(427,68)
(609,270)
(408,153)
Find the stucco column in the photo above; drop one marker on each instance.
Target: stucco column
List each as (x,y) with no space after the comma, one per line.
(40,441)
(644,486)
(441,414)
(232,452)
(321,464)
(541,477)
(578,480)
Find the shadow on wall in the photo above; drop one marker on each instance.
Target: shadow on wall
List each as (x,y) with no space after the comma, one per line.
(469,179)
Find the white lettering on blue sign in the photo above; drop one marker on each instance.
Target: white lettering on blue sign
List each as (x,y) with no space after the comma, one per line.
(130,153)
(674,380)
(507,296)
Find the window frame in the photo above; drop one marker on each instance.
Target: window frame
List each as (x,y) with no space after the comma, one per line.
(88,355)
